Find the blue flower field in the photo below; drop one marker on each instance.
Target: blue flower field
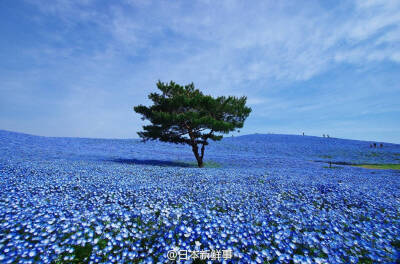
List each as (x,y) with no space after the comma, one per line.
(266,198)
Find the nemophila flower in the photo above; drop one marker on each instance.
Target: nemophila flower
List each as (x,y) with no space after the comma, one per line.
(130,211)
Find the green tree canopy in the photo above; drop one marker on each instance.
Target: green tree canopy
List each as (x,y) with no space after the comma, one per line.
(184,115)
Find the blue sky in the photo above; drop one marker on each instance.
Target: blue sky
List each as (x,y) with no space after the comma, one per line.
(76,68)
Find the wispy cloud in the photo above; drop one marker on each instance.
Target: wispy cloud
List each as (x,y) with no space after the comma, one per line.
(101,58)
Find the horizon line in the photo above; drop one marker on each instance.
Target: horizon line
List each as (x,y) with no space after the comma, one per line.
(230,136)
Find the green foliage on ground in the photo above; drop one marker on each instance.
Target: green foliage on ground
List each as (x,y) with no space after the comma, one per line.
(379,166)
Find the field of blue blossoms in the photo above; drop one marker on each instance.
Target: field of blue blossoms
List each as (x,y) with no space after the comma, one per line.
(268,198)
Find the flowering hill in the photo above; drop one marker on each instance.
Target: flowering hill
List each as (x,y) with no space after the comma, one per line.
(264,198)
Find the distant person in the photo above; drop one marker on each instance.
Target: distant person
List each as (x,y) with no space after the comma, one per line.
(327,136)
(374,145)
(381,145)
(303,133)
(323,135)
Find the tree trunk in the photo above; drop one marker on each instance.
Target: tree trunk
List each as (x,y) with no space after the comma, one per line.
(199,158)
(195,148)
(200,163)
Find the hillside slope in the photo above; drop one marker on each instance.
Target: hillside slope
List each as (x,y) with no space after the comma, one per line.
(249,150)
(70,200)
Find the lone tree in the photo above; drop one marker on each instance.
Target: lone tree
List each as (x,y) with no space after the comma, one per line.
(184,115)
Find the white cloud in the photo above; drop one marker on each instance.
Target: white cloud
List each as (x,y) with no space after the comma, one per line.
(224,47)
(232,42)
